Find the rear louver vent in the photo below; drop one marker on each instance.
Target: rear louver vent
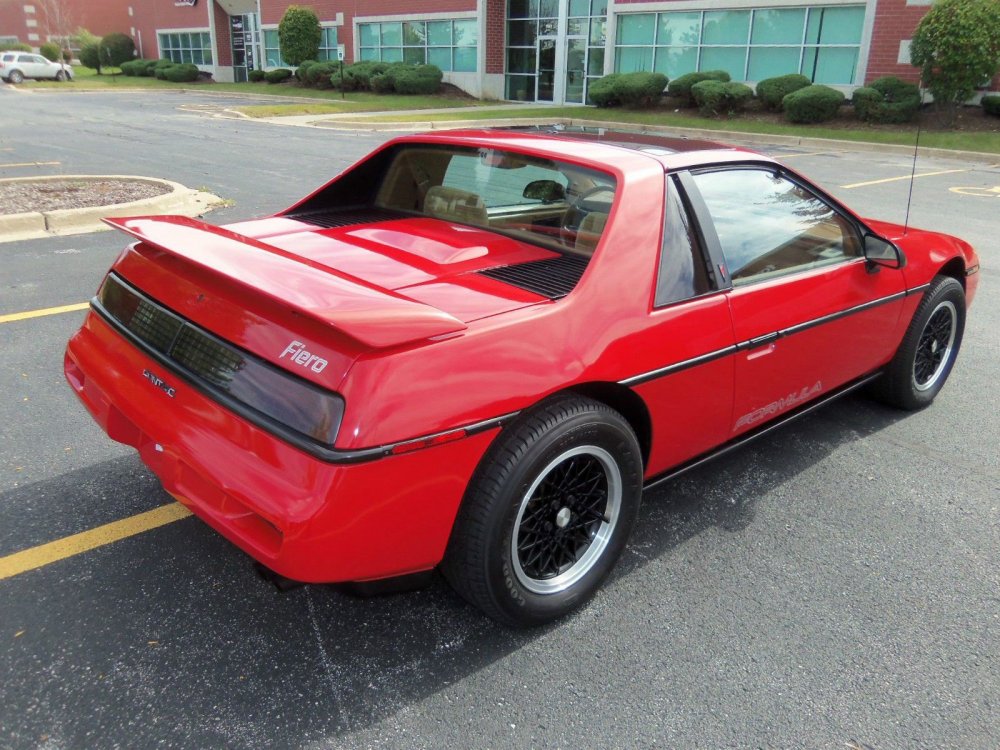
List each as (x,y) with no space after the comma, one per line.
(553,278)
(335,219)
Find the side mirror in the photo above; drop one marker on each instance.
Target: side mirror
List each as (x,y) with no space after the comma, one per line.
(546,191)
(881,252)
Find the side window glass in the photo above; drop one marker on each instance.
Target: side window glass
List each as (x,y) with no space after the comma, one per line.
(769,226)
(682,272)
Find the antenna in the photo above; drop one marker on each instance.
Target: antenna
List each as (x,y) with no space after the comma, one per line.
(913,172)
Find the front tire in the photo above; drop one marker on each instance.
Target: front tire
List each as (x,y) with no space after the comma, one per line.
(61,76)
(924,360)
(548,512)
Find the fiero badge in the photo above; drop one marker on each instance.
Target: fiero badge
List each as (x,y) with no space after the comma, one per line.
(159,383)
(297,352)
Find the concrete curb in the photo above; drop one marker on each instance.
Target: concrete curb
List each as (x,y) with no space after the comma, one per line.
(760,139)
(178,200)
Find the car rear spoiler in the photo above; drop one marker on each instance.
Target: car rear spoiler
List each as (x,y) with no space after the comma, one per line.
(373,316)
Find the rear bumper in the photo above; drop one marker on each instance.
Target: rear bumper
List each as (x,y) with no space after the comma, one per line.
(304,518)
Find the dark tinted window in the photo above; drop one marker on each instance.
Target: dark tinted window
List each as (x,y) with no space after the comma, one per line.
(769,225)
(682,273)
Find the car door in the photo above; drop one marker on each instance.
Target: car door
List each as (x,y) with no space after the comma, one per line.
(809,313)
(29,66)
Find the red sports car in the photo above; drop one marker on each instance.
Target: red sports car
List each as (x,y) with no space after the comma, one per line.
(474,350)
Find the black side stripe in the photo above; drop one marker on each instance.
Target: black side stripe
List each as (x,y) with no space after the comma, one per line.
(765,339)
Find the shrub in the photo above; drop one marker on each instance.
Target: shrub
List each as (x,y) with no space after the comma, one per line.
(602,91)
(815,103)
(14,47)
(278,75)
(50,51)
(887,100)
(360,74)
(90,55)
(421,79)
(771,91)
(181,73)
(721,98)
(957,47)
(299,35)
(383,83)
(255,76)
(639,89)
(303,69)
(991,104)
(322,75)
(160,71)
(116,49)
(134,67)
(680,88)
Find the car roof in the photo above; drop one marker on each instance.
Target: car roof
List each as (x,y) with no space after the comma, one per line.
(673,152)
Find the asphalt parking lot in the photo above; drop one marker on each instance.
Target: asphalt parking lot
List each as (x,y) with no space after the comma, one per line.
(834,585)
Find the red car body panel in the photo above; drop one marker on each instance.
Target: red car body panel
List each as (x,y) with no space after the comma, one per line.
(430,357)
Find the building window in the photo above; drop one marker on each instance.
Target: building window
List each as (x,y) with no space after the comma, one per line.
(450,44)
(751,45)
(186,47)
(272,48)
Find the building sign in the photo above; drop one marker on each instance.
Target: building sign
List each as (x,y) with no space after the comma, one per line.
(185,3)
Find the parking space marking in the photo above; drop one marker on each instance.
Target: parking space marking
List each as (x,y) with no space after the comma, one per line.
(904,177)
(979,192)
(12,317)
(46,554)
(32,164)
(810,153)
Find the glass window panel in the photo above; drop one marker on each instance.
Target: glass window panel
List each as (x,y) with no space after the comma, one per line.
(414,34)
(579,7)
(521,33)
(465,59)
(521,60)
(767,62)
(392,54)
(522,9)
(599,7)
(466,33)
(633,59)
(830,65)
(197,57)
(678,28)
(595,61)
(415,55)
(733,60)
(726,27)
(676,61)
(440,56)
(521,88)
(682,271)
(548,27)
(207,55)
(548,9)
(577,27)
(369,53)
(835,25)
(392,34)
(598,32)
(185,56)
(636,28)
(439,33)
(369,34)
(778,26)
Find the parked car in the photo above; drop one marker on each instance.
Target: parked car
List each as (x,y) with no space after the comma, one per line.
(16,66)
(474,350)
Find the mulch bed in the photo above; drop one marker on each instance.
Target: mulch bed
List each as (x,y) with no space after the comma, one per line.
(53,195)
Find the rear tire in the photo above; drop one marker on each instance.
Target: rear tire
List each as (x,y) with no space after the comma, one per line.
(15,77)
(548,512)
(924,360)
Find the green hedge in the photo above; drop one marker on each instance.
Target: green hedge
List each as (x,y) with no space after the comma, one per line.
(772,91)
(628,89)
(50,51)
(278,75)
(255,76)
(991,104)
(680,88)
(887,100)
(417,79)
(716,98)
(14,47)
(184,73)
(134,68)
(302,71)
(816,103)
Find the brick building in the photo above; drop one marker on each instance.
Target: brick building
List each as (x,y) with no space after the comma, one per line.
(528,50)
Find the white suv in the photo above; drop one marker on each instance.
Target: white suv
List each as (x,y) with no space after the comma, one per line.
(16,66)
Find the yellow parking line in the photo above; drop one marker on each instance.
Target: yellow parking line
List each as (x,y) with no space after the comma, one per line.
(904,177)
(11,317)
(60,549)
(32,164)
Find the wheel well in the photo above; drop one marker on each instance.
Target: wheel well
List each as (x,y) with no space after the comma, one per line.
(627,403)
(956,269)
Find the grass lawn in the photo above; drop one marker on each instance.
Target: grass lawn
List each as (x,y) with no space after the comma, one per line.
(987,142)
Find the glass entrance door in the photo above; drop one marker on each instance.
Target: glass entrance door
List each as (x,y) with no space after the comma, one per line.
(575,69)
(545,88)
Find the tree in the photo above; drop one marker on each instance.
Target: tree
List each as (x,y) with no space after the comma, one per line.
(117,48)
(59,18)
(957,47)
(90,55)
(299,35)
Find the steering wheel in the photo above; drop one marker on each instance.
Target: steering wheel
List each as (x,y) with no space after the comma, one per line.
(583,205)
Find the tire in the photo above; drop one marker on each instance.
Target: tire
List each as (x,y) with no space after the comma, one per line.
(525,561)
(15,77)
(924,360)
(61,76)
